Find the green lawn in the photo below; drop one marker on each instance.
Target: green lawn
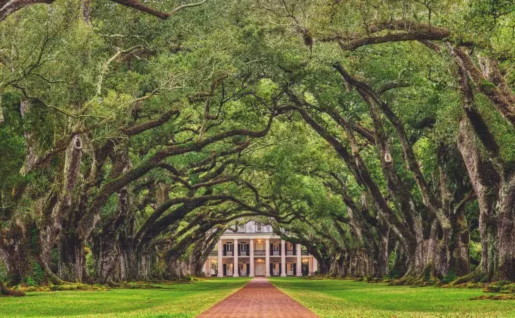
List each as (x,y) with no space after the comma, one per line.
(327,298)
(343,298)
(177,300)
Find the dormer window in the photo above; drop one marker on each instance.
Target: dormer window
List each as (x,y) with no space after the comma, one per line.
(241,228)
(258,227)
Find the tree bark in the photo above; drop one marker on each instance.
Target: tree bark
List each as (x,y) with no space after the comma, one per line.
(506,231)
(107,244)
(2,118)
(485,182)
(72,257)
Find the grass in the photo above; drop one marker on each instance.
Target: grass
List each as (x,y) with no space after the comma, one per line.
(172,300)
(326,298)
(345,298)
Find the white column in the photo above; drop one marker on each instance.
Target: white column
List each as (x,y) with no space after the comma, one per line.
(299,260)
(315,265)
(220,259)
(207,267)
(310,265)
(283,258)
(251,253)
(235,253)
(267,257)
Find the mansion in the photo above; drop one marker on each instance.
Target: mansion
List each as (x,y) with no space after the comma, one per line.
(254,250)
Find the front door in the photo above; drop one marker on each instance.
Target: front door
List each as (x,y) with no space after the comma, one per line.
(229,269)
(276,269)
(243,269)
(260,269)
(289,269)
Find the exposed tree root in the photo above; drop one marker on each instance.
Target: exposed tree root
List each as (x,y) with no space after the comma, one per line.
(51,276)
(65,287)
(424,278)
(9,292)
(474,277)
(504,287)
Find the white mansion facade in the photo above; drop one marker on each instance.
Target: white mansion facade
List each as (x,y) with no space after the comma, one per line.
(254,250)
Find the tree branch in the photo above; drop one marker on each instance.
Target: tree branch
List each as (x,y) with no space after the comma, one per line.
(137,5)
(134,130)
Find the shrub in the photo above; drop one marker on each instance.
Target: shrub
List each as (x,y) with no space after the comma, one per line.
(451,276)
(36,276)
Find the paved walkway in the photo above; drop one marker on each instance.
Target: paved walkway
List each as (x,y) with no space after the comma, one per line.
(258,299)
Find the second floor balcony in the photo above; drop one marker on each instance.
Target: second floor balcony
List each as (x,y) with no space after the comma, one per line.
(259,252)
(231,253)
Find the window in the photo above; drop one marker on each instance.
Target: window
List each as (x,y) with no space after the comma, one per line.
(241,228)
(258,227)
(229,247)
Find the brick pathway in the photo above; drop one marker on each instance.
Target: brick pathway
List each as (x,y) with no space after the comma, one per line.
(259,299)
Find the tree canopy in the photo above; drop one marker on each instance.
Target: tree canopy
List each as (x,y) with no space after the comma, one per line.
(378,134)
